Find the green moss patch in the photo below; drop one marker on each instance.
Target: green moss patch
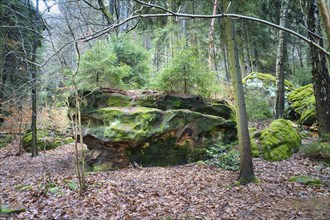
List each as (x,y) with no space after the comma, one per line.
(306,180)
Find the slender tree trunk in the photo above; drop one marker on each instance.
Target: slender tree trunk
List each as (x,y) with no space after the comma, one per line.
(211,38)
(34,83)
(225,57)
(280,62)
(246,174)
(300,56)
(326,17)
(248,47)
(321,79)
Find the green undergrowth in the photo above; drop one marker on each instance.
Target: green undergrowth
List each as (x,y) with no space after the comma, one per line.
(319,150)
(224,156)
(5,140)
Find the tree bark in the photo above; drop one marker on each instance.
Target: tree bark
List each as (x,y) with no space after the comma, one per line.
(321,79)
(246,174)
(211,38)
(34,83)
(280,62)
(326,17)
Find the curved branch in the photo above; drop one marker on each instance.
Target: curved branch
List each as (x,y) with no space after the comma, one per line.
(237,16)
(168,13)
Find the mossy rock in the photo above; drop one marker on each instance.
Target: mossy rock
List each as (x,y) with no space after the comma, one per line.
(277,142)
(306,180)
(266,79)
(163,101)
(302,105)
(46,140)
(11,209)
(264,84)
(151,128)
(152,137)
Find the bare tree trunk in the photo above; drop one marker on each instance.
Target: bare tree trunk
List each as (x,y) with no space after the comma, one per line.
(321,79)
(33,83)
(326,17)
(280,62)
(248,47)
(225,57)
(211,38)
(246,174)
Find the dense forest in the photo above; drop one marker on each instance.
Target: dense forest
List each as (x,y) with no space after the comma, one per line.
(174,109)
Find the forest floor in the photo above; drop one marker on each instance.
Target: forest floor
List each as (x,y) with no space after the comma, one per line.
(47,188)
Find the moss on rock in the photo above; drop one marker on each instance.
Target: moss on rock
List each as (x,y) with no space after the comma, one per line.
(10,209)
(152,128)
(306,180)
(302,105)
(277,142)
(153,137)
(266,79)
(46,140)
(261,93)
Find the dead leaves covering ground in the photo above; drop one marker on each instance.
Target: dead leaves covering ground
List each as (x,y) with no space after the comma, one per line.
(181,192)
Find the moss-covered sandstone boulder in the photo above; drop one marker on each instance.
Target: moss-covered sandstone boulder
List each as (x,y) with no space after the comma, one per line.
(277,142)
(46,140)
(167,130)
(260,89)
(302,105)
(151,99)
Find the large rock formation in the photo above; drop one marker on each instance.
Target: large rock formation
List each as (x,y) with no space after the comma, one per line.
(152,129)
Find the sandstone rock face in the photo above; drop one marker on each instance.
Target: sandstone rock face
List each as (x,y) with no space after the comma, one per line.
(277,142)
(152,129)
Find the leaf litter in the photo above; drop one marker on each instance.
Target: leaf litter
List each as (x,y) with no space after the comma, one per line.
(47,188)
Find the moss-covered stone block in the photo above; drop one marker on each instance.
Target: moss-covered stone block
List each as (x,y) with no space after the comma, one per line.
(261,93)
(277,142)
(46,140)
(152,128)
(153,137)
(302,105)
(306,180)
(10,209)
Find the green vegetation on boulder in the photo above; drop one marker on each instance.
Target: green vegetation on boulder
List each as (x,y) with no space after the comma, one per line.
(119,98)
(265,79)
(155,129)
(46,140)
(302,105)
(260,91)
(277,142)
